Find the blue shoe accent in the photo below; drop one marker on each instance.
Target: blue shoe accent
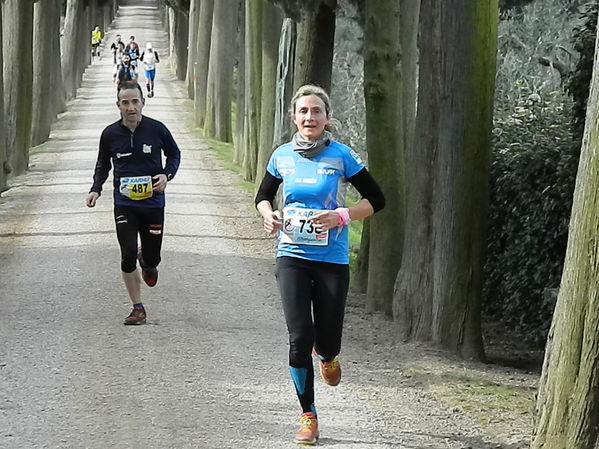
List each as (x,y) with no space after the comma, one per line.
(299,376)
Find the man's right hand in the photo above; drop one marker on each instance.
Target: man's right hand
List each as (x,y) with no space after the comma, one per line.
(91,198)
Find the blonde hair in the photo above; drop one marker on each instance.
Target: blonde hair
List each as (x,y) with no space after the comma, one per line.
(311,89)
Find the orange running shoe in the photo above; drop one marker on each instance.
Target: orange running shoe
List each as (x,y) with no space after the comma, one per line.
(329,371)
(308,431)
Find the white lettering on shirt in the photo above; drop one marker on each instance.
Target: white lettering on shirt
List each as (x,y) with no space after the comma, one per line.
(306,180)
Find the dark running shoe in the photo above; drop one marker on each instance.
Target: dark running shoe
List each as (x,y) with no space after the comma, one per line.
(149,275)
(137,316)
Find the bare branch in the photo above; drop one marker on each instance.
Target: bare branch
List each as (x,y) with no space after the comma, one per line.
(563,69)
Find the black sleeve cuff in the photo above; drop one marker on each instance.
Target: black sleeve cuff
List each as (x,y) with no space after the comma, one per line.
(268,188)
(369,189)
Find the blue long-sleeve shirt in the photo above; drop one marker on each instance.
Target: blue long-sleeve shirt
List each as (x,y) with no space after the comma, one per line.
(137,153)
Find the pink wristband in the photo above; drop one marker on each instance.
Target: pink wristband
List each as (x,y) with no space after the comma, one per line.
(343,213)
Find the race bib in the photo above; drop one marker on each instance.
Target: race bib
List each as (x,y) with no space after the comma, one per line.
(299,229)
(136,187)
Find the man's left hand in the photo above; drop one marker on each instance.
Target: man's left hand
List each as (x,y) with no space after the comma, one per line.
(159,183)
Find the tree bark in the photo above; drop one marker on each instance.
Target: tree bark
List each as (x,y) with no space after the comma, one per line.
(413,294)
(218,100)
(239,135)
(58,91)
(178,25)
(46,58)
(284,86)
(408,38)
(439,287)
(271,27)
(382,91)
(194,20)
(567,410)
(315,43)
(203,58)
(469,31)
(360,275)
(4,164)
(72,47)
(253,77)
(18,80)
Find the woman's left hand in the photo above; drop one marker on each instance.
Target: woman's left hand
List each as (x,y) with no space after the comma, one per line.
(325,220)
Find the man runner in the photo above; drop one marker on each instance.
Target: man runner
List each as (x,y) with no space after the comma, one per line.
(135,145)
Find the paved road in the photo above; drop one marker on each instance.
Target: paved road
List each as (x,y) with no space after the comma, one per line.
(209,368)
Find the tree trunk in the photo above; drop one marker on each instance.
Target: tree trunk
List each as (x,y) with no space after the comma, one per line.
(271,27)
(18,79)
(4,164)
(46,57)
(284,87)
(163,11)
(83,56)
(567,410)
(194,20)
(413,295)
(315,43)
(253,77)
(239,135)
(178,25)
(439,287)
(71,47)
(107,15)
(218,100)
(382,90)
(203,58)
(360,275)
(58,90)
(96,18)
(408,38)
(469,32)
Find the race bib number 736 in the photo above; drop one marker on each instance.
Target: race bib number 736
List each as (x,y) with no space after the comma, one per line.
(299,229)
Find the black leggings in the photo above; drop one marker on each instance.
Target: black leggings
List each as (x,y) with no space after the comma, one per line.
(312,289)
(148,223)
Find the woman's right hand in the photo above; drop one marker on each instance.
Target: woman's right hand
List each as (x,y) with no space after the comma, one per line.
(273,222)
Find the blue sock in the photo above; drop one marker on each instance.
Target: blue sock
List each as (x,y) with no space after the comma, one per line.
(303,380)
(139,305)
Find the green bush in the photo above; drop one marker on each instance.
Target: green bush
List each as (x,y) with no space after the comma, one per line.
(537,146)
(532,182)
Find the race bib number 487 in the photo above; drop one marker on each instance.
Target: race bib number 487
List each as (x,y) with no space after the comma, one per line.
(299,229)
(136,187)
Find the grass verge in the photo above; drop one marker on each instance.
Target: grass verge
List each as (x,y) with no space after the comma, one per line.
(487,401)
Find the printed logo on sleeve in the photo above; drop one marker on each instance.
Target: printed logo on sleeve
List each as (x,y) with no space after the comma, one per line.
(356,156)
